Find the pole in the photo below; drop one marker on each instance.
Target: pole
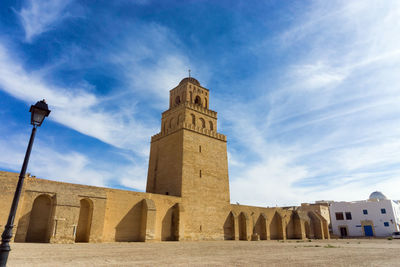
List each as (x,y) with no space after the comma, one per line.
(7,234)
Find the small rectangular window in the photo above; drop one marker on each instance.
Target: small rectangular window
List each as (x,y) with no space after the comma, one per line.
(348,216)
(383,211)
(339,216)
(386,224)
(365,211)
(200,173)
(200,149)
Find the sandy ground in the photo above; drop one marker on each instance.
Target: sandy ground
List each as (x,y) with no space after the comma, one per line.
(351,252)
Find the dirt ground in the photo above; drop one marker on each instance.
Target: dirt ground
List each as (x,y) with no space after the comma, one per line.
(351,252)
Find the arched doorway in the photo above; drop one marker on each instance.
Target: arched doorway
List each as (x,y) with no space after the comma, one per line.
(169,230)
(261,226)
(84,221)
(40,219)
(293,227)
(229,227)
(275,227)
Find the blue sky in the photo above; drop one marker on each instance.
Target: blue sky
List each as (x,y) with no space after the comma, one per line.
(308,92)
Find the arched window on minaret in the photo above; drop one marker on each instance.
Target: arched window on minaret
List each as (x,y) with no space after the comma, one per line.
(203,123)
(205,102)
(177,100)
(191,97)
(193,119)
(197,100)
(211,126)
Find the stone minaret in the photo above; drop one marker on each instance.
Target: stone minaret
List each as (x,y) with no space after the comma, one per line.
(188,158)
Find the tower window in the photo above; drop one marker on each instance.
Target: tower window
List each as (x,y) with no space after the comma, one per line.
(200,173)
(197,100)
(200,149)
(177,100)
(211,126)
(203,123)
(193,119)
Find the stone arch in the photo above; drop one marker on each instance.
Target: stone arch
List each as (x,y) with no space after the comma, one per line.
(40,220)
(293,227)
(172,123)
(180,119)
(170,225)
(316,225)
(276,227)
(177,100)
(193,119)
(260,227)
(84,221)
(197,100)
(243,224)
(211,126)
(202,123)
(229,227)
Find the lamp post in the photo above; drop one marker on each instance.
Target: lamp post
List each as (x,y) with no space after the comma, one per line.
(38,112)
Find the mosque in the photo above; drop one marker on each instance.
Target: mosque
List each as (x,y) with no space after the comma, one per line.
(187,193)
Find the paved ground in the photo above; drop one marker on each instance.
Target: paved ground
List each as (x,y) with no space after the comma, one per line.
(352,252)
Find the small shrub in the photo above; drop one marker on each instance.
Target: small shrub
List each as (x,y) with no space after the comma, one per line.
(309,240)
(390,238)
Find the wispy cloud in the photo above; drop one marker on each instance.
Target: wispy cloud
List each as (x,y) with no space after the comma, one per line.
(76,108)
(330,129)
(40,16)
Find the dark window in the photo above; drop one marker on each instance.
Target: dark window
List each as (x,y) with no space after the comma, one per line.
(348,216)
(365,211)
(339,216)
(200,173)
(200,149)
(166,193)
(383,211)
(386,224)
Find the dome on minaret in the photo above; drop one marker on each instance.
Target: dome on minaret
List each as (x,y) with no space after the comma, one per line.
(377,196)
(190,79)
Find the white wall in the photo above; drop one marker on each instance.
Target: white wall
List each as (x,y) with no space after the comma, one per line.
(374,214)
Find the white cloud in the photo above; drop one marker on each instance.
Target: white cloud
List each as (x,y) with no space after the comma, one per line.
(39,16)
(76,107)
(329,130)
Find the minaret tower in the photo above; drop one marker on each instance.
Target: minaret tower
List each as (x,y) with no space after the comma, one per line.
(188,158)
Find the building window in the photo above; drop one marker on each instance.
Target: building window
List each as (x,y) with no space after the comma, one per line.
(383,211)
(200,173)
(200,149)
(348,216)
(365,211)
(339,216)
(386,224)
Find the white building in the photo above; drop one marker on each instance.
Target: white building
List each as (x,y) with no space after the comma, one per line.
(377,216)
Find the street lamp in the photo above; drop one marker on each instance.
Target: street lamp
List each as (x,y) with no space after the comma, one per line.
(38,112)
